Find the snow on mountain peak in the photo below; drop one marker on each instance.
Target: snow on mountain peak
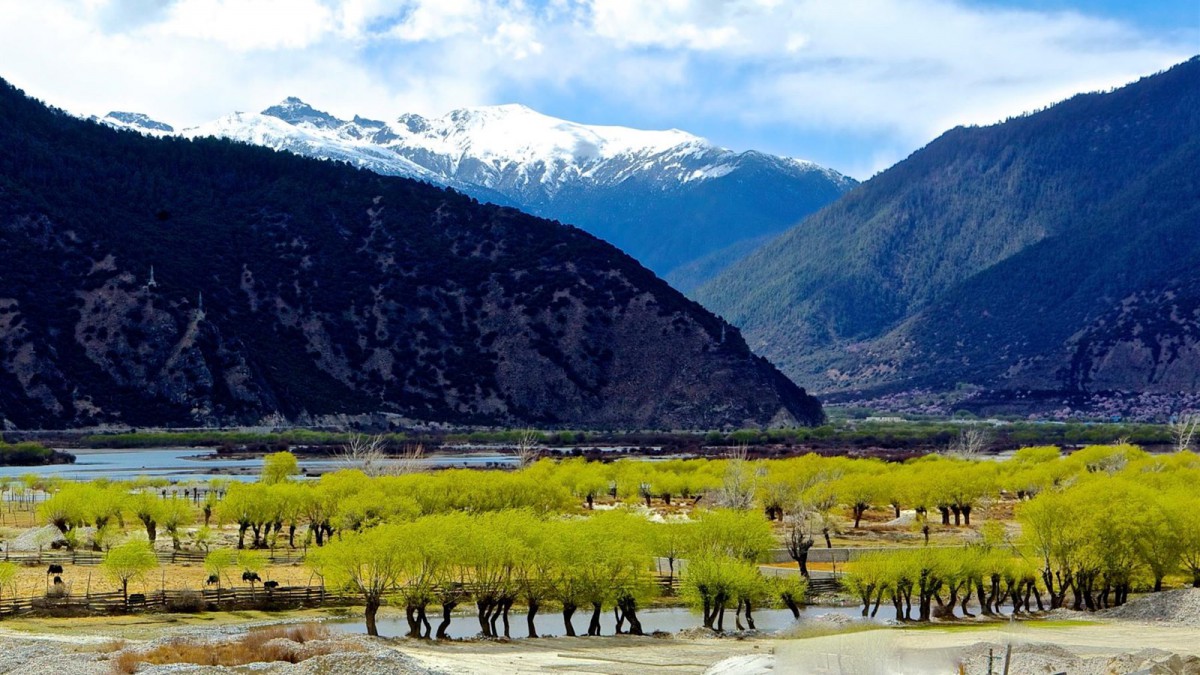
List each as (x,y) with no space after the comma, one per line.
(294,111)
(505,151)
(517,133)
(137,122)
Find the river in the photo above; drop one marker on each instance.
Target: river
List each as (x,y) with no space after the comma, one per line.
(191,464)
(666,619)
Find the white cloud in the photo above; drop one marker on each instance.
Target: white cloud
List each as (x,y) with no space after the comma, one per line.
(244,25)
(427,20)
(902,70)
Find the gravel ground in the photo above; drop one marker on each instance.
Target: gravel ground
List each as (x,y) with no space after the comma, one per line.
(50,658)
(1179,607)
(376,660)
(1040,659)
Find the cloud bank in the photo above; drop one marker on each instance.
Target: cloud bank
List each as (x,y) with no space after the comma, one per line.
(896,72)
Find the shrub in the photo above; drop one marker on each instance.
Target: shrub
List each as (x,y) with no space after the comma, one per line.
(187,602)
(274,643)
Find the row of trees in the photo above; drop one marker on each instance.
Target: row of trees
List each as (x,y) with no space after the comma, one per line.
(1094,527)
(504,558)
(812,493)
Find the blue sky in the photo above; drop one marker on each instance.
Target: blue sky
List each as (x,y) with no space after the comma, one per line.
(852,84)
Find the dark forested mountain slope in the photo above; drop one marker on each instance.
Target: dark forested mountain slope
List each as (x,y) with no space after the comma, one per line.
(1054,251)
(667,198)
(172,281)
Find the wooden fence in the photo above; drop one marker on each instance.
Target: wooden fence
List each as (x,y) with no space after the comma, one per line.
(85,557)
(284,597)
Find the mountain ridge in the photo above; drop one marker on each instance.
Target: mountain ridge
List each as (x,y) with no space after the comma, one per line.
(991,257)
(170,281)
(668,198)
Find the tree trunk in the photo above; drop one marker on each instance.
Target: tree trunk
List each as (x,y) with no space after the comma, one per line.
(629,612)
(447,608)
(749,617)
(949,606)
(502,614)
(568,612)
(485,616)
(529,617)
(790,602)
(369,613)
(423,618)
(985,607)
(414,626)
(594,624)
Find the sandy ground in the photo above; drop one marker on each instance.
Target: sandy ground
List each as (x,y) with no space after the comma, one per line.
(614,656)
(882,651)
(936,650)
(916,651)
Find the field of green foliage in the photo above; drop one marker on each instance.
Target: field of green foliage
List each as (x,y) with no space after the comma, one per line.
(949,535)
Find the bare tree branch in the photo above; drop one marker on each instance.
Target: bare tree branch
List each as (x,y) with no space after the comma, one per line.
(527,449)
(1183,430)
(365,453)
(971,442)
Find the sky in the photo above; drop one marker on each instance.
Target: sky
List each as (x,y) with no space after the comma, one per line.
(852,84)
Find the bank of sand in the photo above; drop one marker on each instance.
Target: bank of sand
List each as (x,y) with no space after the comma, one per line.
(1164,638)
(1080,648)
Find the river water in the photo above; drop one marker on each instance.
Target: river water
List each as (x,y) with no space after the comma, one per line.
(668,619)
(192,464)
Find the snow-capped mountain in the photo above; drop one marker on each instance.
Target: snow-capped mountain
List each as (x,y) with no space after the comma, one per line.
(136,122)
(668,198)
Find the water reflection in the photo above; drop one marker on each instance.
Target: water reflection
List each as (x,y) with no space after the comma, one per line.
(670,620)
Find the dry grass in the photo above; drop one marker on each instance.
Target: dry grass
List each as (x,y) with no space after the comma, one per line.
(18,519)
(273,643)
(812,566)
(31,581)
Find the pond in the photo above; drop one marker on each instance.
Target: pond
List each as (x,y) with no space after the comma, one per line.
(667,619)
(190,464)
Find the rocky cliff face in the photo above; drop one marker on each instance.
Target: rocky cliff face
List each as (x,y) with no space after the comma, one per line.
(177,282)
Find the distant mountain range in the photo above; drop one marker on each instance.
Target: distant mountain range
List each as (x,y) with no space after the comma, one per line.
(1055,252)
(170,281)
(675,202)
